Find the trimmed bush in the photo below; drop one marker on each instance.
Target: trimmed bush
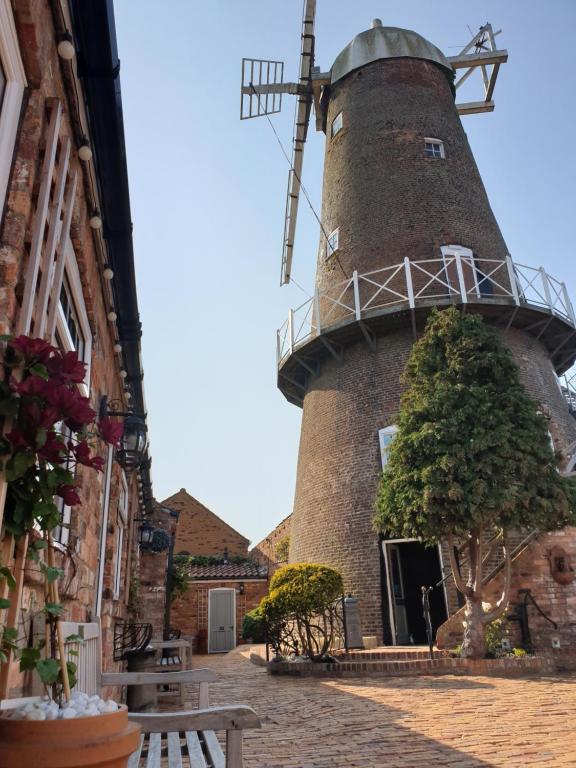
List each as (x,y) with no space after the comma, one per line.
(253,627)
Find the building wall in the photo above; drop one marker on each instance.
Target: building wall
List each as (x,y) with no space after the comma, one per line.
(80,557)
(200,531)
(339,458)
(264,552)
(190,612)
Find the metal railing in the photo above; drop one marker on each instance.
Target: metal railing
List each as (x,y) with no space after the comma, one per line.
(414,283)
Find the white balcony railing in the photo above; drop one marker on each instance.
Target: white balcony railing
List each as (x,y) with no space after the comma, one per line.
(411,284)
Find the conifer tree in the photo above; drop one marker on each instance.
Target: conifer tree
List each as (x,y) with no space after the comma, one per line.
(472,459)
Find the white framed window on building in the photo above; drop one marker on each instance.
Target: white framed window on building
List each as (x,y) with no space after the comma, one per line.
(12,85)
(385,437)
(337,124)
(72,331)
(434,148)
(122,524)
(332,243)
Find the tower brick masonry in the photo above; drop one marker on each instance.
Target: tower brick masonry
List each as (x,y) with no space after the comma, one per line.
(390,200)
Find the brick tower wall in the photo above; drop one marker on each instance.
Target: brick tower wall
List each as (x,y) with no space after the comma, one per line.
(388,201)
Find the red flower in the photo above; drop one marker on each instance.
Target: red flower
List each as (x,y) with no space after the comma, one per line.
(32,349)
(34,386)
(54,449)
(82,454)
(67,367)
(69,494)
(75,409)
(39,417)
(17,439)
(111,431)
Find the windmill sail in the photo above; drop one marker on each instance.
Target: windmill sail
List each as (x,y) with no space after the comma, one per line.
(300,131)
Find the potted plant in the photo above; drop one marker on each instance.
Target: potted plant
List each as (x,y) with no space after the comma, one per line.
(50,431)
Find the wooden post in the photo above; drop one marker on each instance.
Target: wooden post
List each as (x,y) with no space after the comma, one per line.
(15,596)
(59,635)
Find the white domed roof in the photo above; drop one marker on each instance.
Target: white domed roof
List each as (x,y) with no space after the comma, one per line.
(385,43)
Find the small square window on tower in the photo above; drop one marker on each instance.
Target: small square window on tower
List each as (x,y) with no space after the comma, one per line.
(337,124)
(434,148)
(332,243)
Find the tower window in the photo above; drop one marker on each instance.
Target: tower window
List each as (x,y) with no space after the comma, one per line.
(434,148)
(332,243)
(337,124)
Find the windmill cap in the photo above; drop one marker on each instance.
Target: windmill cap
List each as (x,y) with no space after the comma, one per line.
(385,43)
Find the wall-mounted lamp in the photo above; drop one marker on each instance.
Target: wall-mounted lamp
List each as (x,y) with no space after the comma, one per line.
(145,535)
(134,438)
(241,588)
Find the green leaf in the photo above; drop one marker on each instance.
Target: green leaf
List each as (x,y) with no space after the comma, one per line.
(48,670)
(39,370)
(4,603)
(8,406)
(51,572)
(3,657)
(72,653)
(6,337)
(54,609)
(74,639)
(6,573)
(41,437)
(29,658)
(18,465)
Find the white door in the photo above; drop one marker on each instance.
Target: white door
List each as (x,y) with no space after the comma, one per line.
(221,620)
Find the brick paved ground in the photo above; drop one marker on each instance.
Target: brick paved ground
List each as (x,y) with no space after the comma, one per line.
(461,722)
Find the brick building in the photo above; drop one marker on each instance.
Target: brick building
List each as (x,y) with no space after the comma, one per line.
(67,275)
(407,226)
(271,550)
(224,581)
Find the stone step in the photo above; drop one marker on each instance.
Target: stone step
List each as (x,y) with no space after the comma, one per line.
(392,654)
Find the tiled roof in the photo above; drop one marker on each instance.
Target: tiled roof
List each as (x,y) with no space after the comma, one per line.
(228,571)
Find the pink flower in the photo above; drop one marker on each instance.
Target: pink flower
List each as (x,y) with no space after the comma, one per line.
(54,449)
(111,431)
(75,408)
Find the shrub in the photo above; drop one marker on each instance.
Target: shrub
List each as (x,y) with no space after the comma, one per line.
(253,626)
(493,636)
(519,652)
(281,549)
(299,609)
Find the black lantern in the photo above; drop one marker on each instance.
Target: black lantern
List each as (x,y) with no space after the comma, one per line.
(145,535)
(132,452)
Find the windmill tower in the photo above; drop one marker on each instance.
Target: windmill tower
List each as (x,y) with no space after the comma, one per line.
(406,225)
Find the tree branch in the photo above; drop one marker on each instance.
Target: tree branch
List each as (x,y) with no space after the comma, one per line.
(460,586)
(502,604)
(479,556)
(491,544)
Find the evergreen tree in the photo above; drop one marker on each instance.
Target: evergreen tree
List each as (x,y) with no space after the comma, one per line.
(472,459)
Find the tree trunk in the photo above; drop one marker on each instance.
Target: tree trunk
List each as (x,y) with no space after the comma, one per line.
(473,644)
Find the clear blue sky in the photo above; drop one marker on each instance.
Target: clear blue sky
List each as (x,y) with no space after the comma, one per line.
(208,195)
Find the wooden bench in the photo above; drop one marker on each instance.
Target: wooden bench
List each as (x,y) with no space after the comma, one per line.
(187,739)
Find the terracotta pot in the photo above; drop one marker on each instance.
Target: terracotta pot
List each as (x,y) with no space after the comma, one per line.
(102,741)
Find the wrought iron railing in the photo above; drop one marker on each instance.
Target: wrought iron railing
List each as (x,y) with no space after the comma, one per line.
(284,638)
(131,639)
(414,283)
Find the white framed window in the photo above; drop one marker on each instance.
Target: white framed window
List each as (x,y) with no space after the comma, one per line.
(105,502)
(122,523)
(337,124)
(72,325)
(332,243)
(385,436)
(13,82)
(434,148)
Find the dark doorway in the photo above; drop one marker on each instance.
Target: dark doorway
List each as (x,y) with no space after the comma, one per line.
(410,566)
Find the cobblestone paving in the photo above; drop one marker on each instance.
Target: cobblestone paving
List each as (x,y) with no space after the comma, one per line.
(461,722)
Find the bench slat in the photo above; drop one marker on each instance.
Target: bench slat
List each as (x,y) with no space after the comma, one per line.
(195,750)
(134,758)
(214,749)
(154,750)
(174,752)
